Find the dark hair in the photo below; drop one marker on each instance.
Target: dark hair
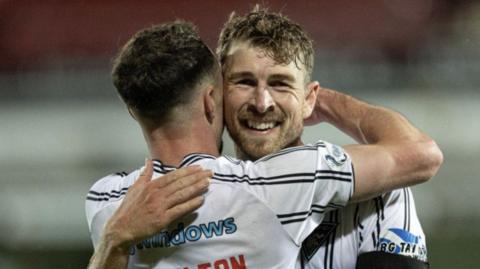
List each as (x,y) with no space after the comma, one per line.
(283,40)
(160,67)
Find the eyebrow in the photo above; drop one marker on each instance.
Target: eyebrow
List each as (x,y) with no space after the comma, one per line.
(246,74)
(282,77)
(238,75)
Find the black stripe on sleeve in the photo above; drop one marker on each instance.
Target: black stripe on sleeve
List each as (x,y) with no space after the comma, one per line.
(377,210)
(325,257)
(333,235)
(307,213)
(105,196)
(319,209)
(406,221)
(407,197)
(353,180)
(286,178)
(382,207)
(374,239)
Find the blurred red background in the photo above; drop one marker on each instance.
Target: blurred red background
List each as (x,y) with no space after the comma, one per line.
(43,34)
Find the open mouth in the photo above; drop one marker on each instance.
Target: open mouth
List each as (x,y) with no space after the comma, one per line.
(260,126)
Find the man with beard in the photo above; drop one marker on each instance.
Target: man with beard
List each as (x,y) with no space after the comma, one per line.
(267,63)
(172,85)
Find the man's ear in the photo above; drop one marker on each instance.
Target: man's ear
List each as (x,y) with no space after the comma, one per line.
(310,98)
(209,103)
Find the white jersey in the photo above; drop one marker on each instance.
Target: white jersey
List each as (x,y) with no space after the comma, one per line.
(387,223)
(255,215)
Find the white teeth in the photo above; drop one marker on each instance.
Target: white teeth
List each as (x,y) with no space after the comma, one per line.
(262,126)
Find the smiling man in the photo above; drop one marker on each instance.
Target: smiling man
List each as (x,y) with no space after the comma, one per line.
(267,63)
(265,102)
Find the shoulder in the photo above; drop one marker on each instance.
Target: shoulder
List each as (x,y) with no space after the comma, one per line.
(107,190)
(111,187)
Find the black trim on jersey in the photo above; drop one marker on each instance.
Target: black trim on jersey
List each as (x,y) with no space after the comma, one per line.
(335,205)
(377,210)
(333,235)
(188,159)
(382,206)
(353,180)
(314,209)
(161,168)
(160,171)
(325,257)
(193,157)
(121,174)
(406,220)
(330,243)
(105,196)
(361,238)
(408,204)
(274,180)
(308,213)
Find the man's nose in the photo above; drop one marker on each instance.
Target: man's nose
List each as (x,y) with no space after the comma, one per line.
(263,100)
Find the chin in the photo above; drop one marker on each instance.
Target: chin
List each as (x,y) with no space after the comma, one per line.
(258,151)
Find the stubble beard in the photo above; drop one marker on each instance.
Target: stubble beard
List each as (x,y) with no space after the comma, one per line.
(254,148)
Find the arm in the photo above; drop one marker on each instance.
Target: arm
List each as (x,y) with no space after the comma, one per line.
(394,153)
(148,207)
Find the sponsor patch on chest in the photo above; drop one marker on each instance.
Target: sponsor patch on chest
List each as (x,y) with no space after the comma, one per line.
(316,239)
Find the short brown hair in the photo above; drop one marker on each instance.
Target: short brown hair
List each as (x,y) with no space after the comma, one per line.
(283,40)
(160,67)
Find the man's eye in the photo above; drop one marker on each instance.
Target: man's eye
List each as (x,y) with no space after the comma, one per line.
(278,84)
(248,82)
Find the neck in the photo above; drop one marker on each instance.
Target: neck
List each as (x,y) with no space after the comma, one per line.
(171,144)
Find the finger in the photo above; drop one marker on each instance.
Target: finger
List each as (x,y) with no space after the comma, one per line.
(180,196)
(147,171)
(183,172)
(186,181)
(184,208)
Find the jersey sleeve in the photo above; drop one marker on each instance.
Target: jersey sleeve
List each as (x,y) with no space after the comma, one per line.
(300,184)
(391,224)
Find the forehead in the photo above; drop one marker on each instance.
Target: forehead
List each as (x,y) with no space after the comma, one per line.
(245,58)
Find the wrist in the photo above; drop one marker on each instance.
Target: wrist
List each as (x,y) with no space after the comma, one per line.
(115,240)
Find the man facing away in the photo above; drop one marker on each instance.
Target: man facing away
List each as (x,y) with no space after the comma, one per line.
(253,215)
(267,63)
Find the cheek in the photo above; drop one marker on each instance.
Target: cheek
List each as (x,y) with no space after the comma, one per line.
(230,109)
(291,107)
(234,100)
